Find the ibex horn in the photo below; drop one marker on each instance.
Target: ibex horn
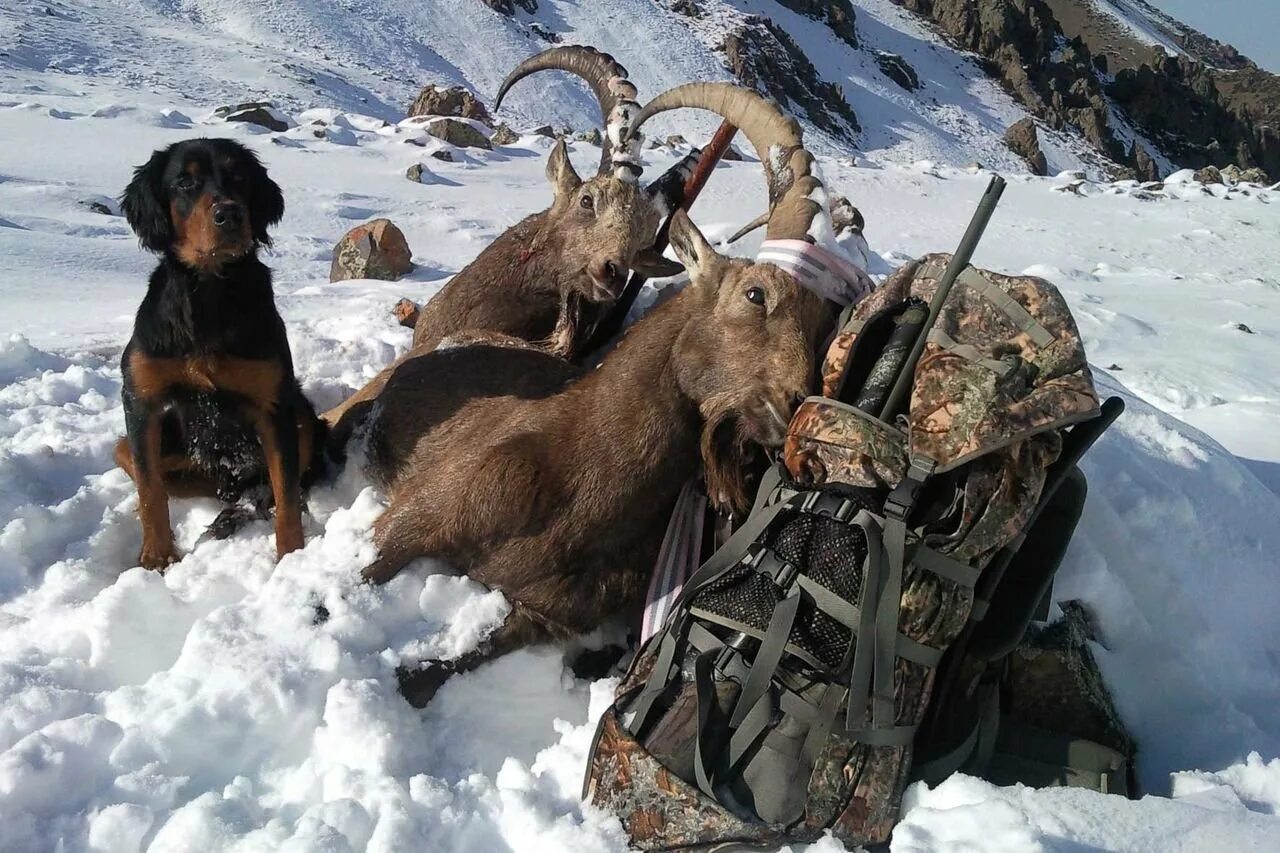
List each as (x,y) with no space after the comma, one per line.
(778,141)
(614,92)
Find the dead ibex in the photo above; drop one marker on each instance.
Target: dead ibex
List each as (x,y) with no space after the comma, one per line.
(554,486)
(548,278)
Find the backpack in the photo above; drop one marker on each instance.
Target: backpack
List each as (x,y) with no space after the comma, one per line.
(784,694)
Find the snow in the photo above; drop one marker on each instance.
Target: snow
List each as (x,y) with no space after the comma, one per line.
(236,704)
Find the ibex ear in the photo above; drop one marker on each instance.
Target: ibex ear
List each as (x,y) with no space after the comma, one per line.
(560,171)
(650,263)
(692,248)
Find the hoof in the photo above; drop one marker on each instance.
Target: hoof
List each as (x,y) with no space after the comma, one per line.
(419,684)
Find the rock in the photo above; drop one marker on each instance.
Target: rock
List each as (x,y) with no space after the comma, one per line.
(732,154)
(591,137)
(376,249)
(1022,140)
(508,7)
(688,8)
(1114,366)
(838,15)
(504,135)
(845,217)
(763,56)
(406,312)
(675,140)
(102,205)
(1208,175)
(414,172)
(453,101)
(261,113)
(1241,327)
(1144,163)
(1235,175)
(1124,173)
(897,70)
(546,130)
(443,154)
(459,133)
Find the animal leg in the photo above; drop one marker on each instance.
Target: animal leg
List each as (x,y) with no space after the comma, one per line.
(521,628)
(143,422)
(278,432)
(408,529)
(181,478)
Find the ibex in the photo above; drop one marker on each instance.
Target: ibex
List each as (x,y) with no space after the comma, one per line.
(547,278)
(554,486)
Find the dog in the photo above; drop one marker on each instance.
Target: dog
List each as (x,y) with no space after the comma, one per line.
(212,407)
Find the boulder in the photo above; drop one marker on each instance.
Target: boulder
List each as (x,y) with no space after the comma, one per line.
(1235,175)
(898,70)
(675,140)
(504,135)
(459,133)
(1208,175)
(845,217)
(1144,163)
(453,101)
(545,130)
(406,312)
(261,113)
(443,154)
(591,137)
(1022,140)
(376,249)
(732,154)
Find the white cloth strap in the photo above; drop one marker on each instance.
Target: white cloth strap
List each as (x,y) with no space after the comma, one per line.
(821,270)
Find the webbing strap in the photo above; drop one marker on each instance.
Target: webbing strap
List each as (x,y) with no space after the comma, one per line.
(767,658)
(828,602)
(863,647)
(658,678)
(704,691)
(969,353)
(886,621)
(946,567)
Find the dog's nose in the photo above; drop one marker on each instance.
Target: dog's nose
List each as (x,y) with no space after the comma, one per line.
(227,215)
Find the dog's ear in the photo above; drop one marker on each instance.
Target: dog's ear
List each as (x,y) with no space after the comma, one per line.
(145,203)
(266,202)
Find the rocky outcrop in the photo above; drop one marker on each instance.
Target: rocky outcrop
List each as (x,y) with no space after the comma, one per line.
(1178,104)
(504,135)
(836,14)
(376,249)
(508,7)
(453,101)
(761,55)
(898,70)
(1194,113)
(1023,140)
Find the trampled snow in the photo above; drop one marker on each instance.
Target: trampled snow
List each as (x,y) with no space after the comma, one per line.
(236,704)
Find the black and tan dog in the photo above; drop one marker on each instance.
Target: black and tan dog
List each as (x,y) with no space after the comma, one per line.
(212,407)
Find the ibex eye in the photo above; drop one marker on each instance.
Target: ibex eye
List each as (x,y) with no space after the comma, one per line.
(588,203)
(755,296)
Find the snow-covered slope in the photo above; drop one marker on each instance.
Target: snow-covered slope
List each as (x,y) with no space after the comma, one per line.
(210,709)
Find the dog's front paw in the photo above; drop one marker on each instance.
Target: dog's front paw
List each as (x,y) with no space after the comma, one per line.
(419,684)
(157,559)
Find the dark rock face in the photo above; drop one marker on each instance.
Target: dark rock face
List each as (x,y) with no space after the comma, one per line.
(764,57)
(836,14)
(898,70)
(453,101)
(1196,115)
(508,7)
(1022,140)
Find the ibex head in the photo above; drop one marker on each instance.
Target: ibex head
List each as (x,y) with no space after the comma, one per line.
(600,229)
(748,361)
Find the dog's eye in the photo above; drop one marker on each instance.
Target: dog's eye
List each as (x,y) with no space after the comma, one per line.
(755,296)
(587,202)
(186,182)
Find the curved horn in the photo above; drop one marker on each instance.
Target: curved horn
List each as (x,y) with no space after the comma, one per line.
(778,141)
(614,92)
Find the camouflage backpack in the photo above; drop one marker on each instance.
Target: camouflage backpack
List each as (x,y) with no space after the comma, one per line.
(783,695)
